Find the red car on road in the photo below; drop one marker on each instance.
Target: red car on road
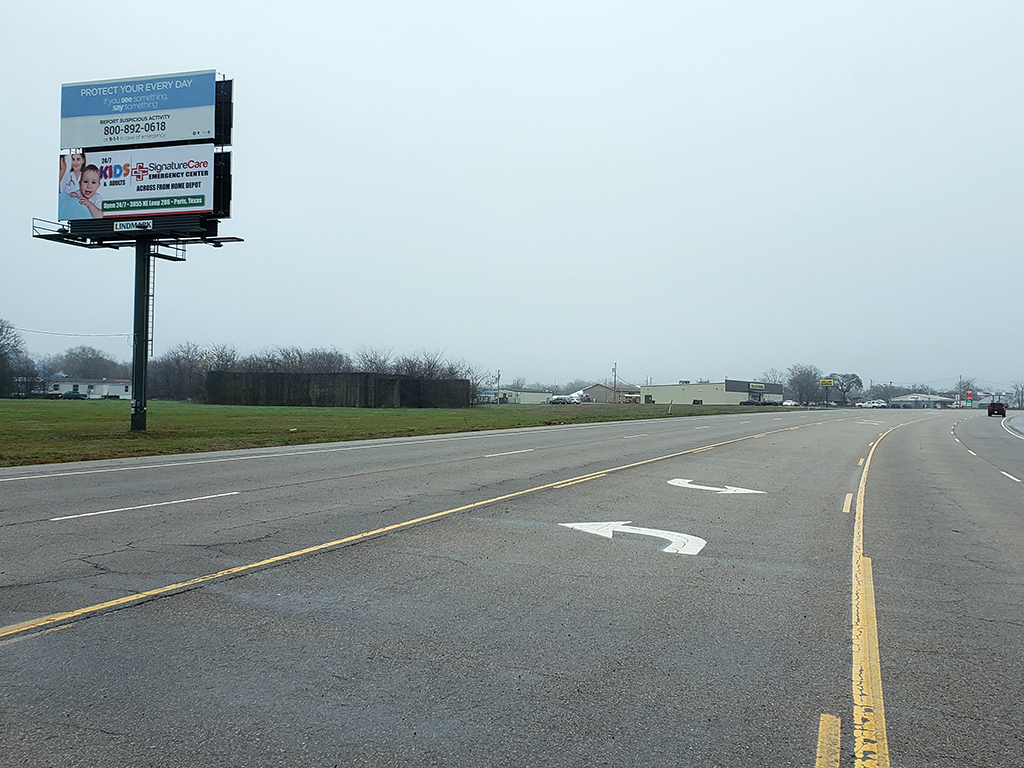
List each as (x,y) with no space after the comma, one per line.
(998,409)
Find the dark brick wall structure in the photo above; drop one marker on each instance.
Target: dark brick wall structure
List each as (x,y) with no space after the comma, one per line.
(338,390)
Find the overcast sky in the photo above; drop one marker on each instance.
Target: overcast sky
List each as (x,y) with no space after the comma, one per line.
(550,188)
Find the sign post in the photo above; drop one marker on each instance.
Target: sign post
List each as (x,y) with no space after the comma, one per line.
(826,383)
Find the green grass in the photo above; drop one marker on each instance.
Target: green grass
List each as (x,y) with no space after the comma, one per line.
(46,431)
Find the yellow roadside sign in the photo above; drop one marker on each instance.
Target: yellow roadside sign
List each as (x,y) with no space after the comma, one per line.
(827,383)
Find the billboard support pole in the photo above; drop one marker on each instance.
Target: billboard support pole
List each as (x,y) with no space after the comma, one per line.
(140,338)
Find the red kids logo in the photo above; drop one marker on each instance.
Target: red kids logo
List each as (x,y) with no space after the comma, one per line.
(140,172)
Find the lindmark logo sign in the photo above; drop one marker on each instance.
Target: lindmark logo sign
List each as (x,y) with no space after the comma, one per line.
(132,226)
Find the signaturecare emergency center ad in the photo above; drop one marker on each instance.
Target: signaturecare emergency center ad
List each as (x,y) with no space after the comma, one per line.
(137,182)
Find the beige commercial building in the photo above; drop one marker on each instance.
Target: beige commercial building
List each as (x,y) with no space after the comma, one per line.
(728,392)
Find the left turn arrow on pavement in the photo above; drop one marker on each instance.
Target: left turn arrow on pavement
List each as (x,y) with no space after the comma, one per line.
(679,543)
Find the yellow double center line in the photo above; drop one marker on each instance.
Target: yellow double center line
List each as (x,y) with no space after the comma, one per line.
(871,745)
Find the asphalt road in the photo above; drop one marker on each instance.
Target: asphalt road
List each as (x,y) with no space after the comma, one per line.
(425,601)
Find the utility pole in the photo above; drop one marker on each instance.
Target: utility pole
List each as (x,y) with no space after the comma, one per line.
(615,382)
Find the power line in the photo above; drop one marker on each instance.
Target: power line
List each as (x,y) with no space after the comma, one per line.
(78,335)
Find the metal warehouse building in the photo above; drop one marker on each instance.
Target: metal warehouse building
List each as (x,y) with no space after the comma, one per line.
(728,392)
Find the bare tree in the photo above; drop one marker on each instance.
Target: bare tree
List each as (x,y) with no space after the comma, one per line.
(291,359)
(24,376)
(260,362)
(1018,394)
(882,391)
(90,363)
(804,381)
(180,373)
(12,348)
(477,379)
(847,383)
(327,360)
(223,357)
(10,340)
(374,360)
(773,376)
(424,365)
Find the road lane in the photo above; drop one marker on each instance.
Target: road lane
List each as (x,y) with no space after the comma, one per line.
(945,532)
(288,500)
(500,636)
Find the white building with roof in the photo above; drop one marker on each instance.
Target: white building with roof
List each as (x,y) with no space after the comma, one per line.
(920,400)
(94,389)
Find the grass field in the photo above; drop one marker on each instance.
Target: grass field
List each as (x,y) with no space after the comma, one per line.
(48,431)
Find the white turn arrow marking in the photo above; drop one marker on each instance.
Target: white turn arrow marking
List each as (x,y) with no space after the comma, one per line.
(680,542)
(726,489)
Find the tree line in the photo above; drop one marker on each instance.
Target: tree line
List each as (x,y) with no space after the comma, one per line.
(180,373)
(802,383)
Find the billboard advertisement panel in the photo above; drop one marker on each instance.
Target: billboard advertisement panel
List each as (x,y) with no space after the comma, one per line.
(136,182)
(138,110)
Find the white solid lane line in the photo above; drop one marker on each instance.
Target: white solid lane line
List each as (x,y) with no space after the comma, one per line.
(507,453)
(145,506)
(1010,431)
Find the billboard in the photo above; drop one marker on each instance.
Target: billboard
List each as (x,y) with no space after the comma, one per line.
(136,182)
(139,110)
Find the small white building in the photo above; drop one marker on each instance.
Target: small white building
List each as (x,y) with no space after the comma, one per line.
(919,400)
(514,396)
(94,389)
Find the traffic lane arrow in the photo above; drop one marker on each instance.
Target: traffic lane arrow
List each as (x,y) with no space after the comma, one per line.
(680,543)
(724,489)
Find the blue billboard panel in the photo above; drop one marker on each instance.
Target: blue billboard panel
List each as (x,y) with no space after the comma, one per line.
(138,110)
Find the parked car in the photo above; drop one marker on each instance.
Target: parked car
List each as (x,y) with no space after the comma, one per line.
(873,404)
(564,400)
(791,403)
(997,409)
(75,396)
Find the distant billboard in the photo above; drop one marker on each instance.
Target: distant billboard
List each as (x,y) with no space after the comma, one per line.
(138,110)
(137,182)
